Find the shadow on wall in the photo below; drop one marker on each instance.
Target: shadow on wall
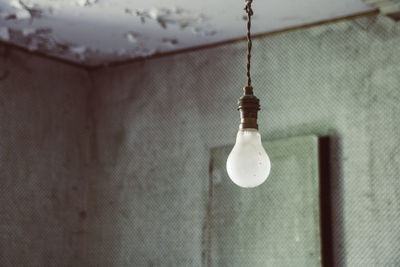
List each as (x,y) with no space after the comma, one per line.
(337,201)
(331,201)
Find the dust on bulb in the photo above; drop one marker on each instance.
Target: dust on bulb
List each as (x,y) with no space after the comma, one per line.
(248,164)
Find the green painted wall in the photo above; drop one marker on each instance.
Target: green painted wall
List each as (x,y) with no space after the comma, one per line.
(157,120)
(112,169)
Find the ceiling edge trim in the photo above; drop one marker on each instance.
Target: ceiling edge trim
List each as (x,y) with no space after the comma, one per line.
(16,47)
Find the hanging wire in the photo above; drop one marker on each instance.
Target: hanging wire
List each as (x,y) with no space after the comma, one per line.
(249,12)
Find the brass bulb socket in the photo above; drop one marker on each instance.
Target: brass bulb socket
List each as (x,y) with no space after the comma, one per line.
(248,105)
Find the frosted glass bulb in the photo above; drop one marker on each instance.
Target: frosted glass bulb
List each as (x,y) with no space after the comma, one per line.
(248,164)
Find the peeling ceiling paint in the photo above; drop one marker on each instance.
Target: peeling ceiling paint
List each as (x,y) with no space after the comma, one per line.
(94,32)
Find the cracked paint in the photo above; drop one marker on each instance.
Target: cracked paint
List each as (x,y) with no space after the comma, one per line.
(132,37)
(170,41)
(166,16)
(126,29)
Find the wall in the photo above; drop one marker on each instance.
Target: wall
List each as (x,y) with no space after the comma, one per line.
(118,175)
(43,161)
(156,121)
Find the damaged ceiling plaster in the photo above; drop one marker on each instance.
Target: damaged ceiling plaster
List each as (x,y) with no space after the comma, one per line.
(96,32)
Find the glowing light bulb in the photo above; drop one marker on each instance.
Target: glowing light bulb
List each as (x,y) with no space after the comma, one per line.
(248,164)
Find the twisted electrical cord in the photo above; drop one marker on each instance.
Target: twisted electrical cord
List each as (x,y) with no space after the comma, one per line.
(249,12)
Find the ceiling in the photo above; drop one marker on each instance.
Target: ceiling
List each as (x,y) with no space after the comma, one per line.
(93,32)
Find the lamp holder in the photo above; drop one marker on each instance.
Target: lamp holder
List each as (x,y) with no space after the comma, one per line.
(248,105)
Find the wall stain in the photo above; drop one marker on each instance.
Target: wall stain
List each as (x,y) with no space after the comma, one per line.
(82,215)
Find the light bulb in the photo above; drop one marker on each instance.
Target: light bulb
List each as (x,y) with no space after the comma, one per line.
(248,164)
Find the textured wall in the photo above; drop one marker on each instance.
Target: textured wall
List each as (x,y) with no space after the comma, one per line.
(157,120)
(118,175)
(42,161)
